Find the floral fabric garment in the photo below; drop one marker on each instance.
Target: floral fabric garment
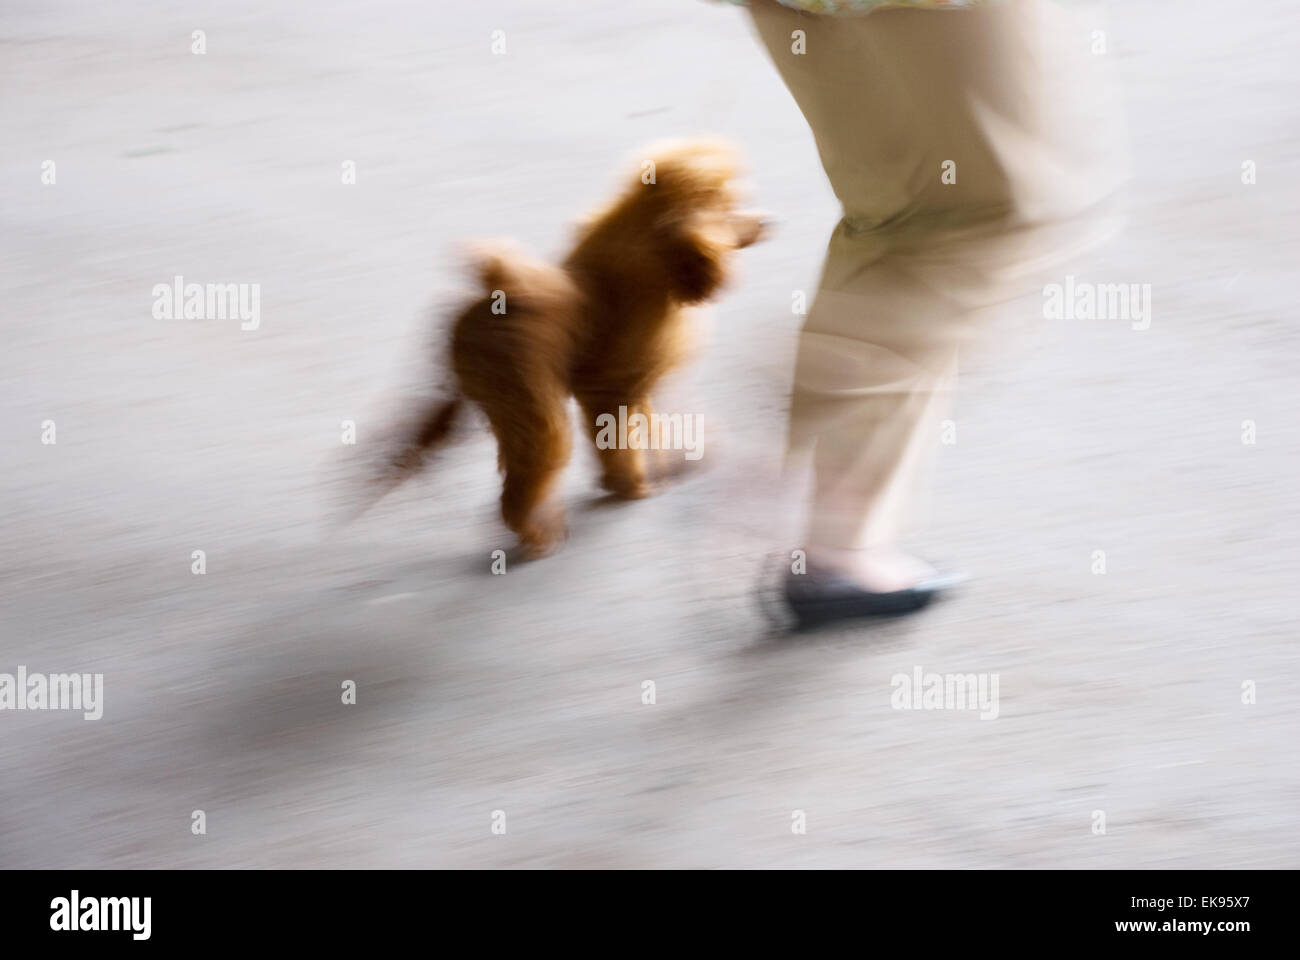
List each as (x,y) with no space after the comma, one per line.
(851,7)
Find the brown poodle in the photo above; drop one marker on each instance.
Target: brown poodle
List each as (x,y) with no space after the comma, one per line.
(603,327)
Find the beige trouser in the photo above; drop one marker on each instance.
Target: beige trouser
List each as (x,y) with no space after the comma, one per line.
(1007,99)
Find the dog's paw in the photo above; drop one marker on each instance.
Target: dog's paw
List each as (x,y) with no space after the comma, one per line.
(668,467)
(627,488)
(535,548)
(543,537)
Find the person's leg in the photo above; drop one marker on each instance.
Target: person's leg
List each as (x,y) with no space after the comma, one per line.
(870,413)
(892,98)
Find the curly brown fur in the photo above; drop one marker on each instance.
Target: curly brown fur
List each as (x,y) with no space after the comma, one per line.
(603,327)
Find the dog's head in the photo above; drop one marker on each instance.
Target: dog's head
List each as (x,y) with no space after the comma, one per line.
(691,201)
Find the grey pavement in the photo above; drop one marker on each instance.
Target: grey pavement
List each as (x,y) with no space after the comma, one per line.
(1119,692)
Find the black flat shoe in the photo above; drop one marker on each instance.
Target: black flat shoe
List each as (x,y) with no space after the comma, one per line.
(818,597)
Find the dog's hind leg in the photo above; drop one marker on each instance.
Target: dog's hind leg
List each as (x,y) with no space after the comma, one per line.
(532,460)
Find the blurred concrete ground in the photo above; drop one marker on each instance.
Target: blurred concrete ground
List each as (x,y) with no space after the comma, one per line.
(522,693)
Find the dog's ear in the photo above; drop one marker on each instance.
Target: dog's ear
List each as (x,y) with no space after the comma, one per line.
(695,251)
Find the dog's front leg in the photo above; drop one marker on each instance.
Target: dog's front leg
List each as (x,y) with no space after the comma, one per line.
(620,430)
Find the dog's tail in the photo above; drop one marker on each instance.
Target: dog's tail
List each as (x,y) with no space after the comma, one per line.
(533,285)
(429,426)
(426,429)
